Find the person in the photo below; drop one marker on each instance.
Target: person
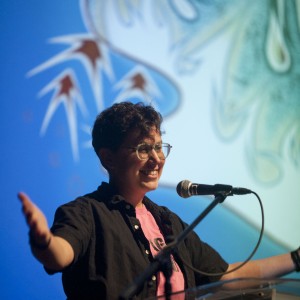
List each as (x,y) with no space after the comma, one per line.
(103,240)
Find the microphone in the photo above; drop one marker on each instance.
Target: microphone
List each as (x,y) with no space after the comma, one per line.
(186,188)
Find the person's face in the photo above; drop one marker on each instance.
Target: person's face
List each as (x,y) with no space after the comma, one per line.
(134,177)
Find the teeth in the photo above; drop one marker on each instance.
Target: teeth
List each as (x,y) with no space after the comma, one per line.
(149,172)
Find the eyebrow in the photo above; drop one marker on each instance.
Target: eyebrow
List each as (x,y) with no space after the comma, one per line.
(143,142)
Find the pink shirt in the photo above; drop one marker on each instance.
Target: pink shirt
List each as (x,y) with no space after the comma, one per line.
(157,242)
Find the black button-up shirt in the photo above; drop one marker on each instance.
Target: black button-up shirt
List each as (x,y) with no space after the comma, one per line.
(111,250)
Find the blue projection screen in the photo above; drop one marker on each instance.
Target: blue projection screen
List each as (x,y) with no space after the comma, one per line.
(225,76)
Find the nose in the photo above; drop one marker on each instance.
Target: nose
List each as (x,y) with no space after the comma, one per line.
(154,156)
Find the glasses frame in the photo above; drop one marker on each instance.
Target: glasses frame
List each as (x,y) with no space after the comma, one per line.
(151,148)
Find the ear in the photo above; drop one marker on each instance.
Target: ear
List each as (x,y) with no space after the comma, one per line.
(106,158)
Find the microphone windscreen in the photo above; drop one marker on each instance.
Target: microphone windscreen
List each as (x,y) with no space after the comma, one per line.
(183,188)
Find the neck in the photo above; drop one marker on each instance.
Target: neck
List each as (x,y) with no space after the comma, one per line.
(135,199)
(140,204)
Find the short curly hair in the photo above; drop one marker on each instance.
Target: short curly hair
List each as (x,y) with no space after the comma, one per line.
(114,123)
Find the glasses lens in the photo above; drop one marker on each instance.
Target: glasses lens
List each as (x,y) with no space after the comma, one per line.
(162,151)
(167,149)
(143,150)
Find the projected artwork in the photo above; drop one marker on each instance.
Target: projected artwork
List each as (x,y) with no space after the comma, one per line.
(251,92)
(263,47)
(223,73)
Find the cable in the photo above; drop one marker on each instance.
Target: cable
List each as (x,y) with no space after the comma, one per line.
(250,256)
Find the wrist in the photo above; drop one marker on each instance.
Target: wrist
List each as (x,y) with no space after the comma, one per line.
(295,255)
(39,245)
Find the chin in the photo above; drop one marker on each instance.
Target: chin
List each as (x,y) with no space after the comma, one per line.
(150,186)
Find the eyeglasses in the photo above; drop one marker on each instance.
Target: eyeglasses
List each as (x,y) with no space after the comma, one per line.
(143,150)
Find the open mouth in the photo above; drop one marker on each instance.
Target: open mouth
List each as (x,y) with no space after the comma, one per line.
(149,172)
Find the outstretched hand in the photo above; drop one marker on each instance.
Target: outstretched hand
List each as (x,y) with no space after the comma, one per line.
(59,252)
(35,219)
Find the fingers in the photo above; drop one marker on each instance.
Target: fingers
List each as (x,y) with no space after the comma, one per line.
(27,204)
(23,197)
(39,231)
(35,218)
(27,207)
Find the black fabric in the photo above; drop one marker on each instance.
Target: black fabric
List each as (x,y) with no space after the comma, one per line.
(110,251)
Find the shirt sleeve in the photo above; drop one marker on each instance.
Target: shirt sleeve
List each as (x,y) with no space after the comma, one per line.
(205,259)
(74,223)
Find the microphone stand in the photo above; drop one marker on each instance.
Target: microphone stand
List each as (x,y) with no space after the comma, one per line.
(162,261)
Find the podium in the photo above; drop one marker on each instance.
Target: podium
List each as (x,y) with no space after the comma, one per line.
(242,289)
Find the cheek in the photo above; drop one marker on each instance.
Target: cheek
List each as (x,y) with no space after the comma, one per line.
(131,166)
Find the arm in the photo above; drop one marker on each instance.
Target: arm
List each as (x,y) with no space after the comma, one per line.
(270,267)
(52,251)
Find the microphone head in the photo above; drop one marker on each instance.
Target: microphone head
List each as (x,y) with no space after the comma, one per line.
(183,188)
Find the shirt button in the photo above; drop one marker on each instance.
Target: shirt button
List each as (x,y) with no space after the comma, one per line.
(147,252)
(127,206)
(153,277)
(136,227)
